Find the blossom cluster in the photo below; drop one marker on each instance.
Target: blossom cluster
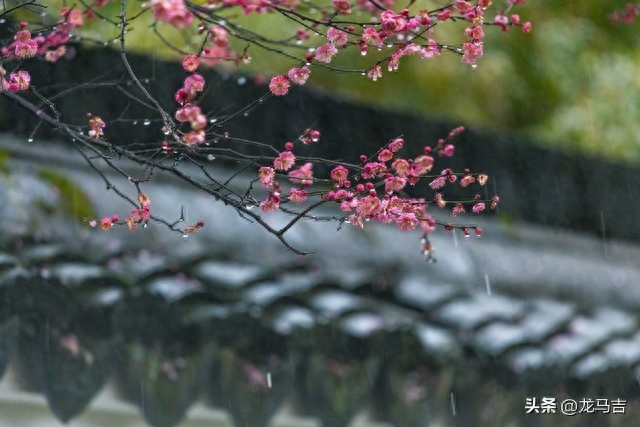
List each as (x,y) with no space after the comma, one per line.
(628,15)
(139,215)
(189,111)
(96,124)
(280,85)
(374,190)
(173,12)
(17,81)
(301,176)
(50,45)
(404,32)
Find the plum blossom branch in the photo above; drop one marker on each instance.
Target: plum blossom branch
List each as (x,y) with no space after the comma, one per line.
(375,187)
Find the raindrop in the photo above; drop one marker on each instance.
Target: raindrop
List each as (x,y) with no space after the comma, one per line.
(30,140)
(185,235)
(2,21)
(604,235)
(453,404)
(474,66)
(249,206)
(145,225)
(389,45)
(146,122)
(241,80)
(455,238)
(298,42)
(363,53)
(269,379)
(245,114)
(213,120)
(486,282)
(211,157)
(135,122)
(146,81)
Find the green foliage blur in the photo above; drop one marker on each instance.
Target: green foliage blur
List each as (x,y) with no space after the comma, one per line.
(74,202)
(572,83)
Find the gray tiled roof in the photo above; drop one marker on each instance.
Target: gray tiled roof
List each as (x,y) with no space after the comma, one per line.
(414,342)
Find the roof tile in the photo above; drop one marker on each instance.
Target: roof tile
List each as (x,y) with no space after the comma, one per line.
(467,314)
(545,318)
(419,292)
(497,337)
